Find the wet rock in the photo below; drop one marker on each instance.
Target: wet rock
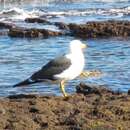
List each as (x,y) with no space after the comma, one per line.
(6,25)
(36,20)
(128,92)
(88,30)
(91,89)
(32,32)
(20,96)
(62,25)
(101,29)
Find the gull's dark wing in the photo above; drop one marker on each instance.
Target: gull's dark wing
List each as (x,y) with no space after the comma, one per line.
(47,72)
(55,66)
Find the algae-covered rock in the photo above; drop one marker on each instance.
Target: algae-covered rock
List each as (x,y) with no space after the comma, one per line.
(6,25)
(36,20)
(98,108)
(32,32)
(101,29)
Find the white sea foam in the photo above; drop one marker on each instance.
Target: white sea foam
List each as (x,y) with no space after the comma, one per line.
(21,14)
(117,11)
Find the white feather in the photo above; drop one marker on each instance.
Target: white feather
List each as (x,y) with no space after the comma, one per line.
(77,62)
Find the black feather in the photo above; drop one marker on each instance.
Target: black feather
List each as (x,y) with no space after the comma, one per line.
(47,72)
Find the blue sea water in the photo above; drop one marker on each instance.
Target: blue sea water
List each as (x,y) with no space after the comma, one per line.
(20,57)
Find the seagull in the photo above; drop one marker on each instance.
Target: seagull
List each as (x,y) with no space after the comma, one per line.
(62,69)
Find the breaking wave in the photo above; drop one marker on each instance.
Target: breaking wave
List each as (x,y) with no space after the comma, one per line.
(21,14)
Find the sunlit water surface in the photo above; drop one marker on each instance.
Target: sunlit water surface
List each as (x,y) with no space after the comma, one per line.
(20,57)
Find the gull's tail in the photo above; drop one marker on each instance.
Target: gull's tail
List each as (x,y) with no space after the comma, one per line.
(24,83)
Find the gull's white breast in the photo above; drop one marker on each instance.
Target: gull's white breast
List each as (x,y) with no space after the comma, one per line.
(77,65)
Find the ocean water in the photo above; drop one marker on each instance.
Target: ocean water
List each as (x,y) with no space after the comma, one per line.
(20,57)
(67,11)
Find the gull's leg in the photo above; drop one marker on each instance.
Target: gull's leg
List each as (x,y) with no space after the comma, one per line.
(62,87)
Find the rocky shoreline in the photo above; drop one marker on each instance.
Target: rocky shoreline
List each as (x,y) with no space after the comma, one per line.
(91,108)
(93,29)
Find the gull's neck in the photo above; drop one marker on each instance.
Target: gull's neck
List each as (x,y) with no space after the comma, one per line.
(75,51)
(76,54)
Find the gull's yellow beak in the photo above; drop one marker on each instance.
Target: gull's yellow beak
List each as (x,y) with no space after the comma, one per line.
(83,46)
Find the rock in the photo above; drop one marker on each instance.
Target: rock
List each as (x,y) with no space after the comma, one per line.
(88,30)
(6,25)
(128,92)
(62,25)
(33,110)
(36,20)
(20,96)
(96,109)
(32,32)
(91,89)
(101,29)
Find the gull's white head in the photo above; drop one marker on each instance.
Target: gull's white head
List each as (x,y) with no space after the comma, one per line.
(76,46)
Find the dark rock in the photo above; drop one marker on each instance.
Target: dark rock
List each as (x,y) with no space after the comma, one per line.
(101,29)
(62,25)
(91,89)
(32,102)
(128,92)
(36,20)
(20,96)
(6,25)
(33,110)
(87,30)
(32,32)
(44,124)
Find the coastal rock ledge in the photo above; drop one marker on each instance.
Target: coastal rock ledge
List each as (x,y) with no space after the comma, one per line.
(92,29)
(91,108)
(32,32)
(101,29)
